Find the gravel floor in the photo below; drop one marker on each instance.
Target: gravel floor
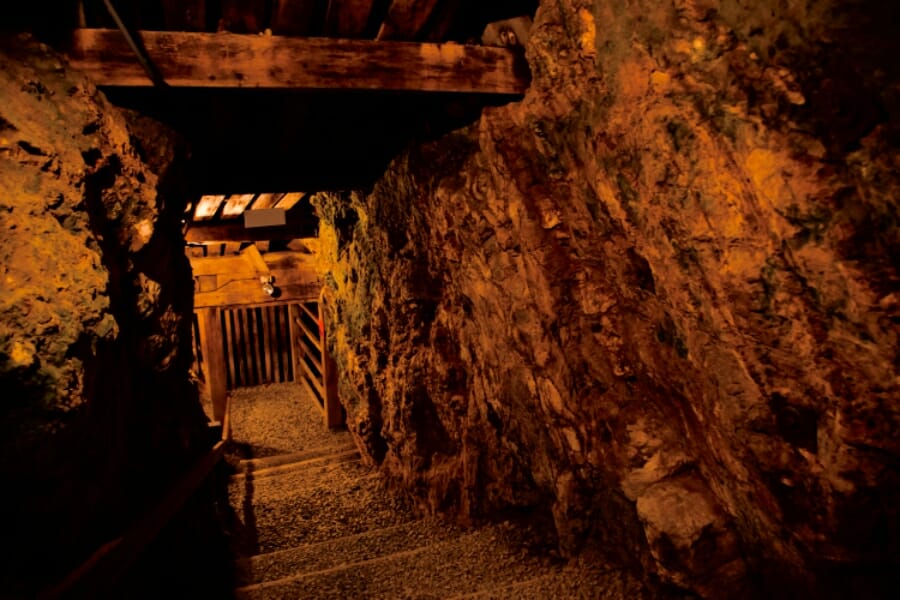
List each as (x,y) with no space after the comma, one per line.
(324,501)
(307,519)
(490,562)
(278,418)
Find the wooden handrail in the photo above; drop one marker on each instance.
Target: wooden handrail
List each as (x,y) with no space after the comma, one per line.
(107,565)
(311,314)
(309,388)
(315,379)
(310,335)
(317,363)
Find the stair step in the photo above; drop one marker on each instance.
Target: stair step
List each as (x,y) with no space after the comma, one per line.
(291,462)
(322,502)
(294,457)
(343,551)
(489,557)
(568,583)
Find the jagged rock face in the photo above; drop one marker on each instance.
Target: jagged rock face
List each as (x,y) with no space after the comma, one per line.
(95,303)
(658,296)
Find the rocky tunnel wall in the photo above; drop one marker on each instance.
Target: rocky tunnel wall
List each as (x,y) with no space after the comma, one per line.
(97,411)
(657,297)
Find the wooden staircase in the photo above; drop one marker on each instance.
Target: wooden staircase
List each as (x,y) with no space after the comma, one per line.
(319,524)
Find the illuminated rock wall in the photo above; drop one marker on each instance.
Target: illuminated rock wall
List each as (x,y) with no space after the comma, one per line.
(96,407)
(657,297)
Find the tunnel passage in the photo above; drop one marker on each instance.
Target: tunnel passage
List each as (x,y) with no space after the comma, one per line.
(104,409)
(258,313)
(653,300)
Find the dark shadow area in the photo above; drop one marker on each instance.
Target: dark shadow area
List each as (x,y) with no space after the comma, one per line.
(245,141)
(193,556)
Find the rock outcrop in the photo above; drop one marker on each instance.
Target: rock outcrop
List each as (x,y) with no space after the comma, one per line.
(96,405)
(658,297)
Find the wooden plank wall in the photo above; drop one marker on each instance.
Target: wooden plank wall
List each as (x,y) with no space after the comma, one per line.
(257,345)
(240,346)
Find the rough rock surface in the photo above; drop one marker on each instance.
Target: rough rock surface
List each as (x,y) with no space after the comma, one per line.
(96,406)
(658,297)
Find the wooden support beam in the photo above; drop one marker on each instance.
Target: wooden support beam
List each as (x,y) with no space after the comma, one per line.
(251,255)
(406,19)
(241,293)
(248,61)
(234,280)
(211,346)
(234,231)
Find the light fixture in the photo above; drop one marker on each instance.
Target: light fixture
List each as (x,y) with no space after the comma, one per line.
(267,285)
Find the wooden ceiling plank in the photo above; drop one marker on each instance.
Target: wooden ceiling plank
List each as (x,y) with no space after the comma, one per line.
(207,207)
(290,200)
(266,201)
(229,60)
(236,204)
(406,19)
(347,18)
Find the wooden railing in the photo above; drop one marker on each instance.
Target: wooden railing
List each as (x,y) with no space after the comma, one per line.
(257,344)
(314,364)
(272,343)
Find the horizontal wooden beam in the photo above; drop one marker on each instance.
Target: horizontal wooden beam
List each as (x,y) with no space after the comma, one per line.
(186,59)
(247,292)
(234,231)
(235,280)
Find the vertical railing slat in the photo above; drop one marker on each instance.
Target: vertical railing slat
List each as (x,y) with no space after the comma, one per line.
(228,318)
(250,348)
(267,317)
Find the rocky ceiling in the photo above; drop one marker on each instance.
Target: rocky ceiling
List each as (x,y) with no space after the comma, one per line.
(252,140)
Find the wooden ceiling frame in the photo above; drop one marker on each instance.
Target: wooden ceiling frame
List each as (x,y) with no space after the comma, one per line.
(225,60)
(300,216)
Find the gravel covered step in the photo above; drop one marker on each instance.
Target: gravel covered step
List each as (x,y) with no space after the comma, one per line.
(487,558)
(323,500)
(341,443)
(575,581)
(278,418)
(285,463)
(343,551)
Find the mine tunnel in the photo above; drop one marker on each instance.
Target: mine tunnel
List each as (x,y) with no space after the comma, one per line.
(521,299)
